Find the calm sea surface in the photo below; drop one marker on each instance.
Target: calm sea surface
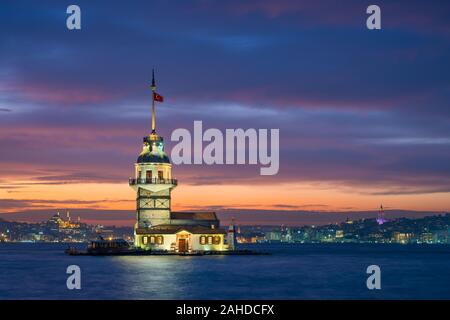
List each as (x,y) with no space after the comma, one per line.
(38,271)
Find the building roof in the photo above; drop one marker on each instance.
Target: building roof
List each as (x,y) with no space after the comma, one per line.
(207,215)
(172,229)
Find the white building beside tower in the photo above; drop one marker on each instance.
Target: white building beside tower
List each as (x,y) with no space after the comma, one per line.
(157,227)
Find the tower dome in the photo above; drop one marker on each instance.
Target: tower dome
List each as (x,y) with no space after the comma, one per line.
(153,150)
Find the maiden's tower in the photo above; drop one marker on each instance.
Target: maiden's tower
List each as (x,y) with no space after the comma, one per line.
(157,227)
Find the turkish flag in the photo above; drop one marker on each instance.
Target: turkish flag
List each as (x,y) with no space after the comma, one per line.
(158,97)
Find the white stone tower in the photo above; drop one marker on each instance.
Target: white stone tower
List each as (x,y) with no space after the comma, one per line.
(153,181)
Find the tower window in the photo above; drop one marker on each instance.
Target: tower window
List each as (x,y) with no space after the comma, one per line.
(148,175)
(160,175)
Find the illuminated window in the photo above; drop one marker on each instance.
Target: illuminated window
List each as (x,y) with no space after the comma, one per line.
(152,240)
(216,240)
(160,240)
(144,240)
(160,175)
(148,175)
(210,240)
(202,240)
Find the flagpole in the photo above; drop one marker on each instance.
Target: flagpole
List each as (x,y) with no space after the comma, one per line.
(153,102)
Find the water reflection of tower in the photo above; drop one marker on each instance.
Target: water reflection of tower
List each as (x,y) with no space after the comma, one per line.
(380,218)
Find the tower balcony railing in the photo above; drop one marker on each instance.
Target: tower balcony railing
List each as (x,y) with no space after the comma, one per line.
(152,181)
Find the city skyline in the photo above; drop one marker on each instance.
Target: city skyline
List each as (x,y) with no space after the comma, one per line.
(429,230)
(363,116)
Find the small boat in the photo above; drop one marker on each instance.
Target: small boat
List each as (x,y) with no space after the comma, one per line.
(103,246)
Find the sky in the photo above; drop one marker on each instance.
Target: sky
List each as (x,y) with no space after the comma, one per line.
(364,115)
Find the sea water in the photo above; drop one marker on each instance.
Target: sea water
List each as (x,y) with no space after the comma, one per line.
(297,271)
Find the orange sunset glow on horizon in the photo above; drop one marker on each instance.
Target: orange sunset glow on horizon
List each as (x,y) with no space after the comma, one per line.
(288,196)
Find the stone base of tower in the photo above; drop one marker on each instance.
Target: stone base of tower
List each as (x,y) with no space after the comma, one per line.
(185,232)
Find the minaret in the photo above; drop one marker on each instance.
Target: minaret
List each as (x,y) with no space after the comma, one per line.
(153,181)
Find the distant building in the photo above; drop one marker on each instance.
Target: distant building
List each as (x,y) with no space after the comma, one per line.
(403,238)
(426,237)
(442,236)
(375,237)
(57,223)
(274,236)
(380,219)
